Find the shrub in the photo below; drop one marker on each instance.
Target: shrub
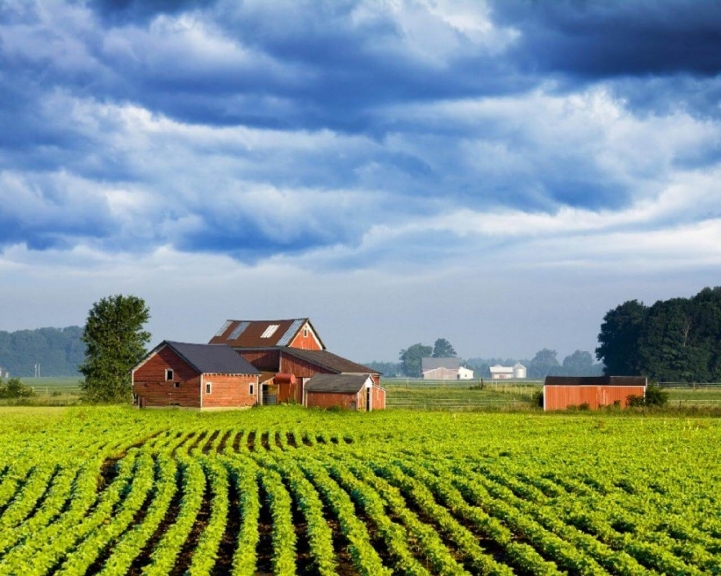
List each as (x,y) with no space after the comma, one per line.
(584,406)
(656,396)
(14,388)
(635,401)
(537,398)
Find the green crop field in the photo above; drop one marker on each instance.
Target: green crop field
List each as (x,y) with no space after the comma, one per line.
(286,490)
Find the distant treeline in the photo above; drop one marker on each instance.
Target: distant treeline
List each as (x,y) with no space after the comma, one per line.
(59,351)
(676,340)
(543,364)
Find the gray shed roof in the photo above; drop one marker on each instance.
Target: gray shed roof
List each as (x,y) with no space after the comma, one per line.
(338,383)
(211,358)
(433,363)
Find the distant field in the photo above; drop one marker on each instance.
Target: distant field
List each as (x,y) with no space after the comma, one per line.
(51,391)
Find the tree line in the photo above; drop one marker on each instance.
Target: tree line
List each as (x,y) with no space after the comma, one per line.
(58,351)
(676,340)
(544,363)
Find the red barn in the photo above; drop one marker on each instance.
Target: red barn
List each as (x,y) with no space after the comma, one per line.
(292,350)
(561,392)
(349,391)
(200,376)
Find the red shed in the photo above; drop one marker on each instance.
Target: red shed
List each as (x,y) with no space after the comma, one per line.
(561,392)
(350,391)
(200,376)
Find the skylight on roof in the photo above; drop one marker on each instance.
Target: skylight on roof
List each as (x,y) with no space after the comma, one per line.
(269,331)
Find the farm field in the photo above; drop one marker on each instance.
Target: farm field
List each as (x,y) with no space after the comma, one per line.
(285,490)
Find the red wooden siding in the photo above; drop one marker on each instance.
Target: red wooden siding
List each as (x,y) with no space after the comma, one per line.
(378,398)
(263,360)
(301,368)
(151,387)
(229,391)
(330,399)
(305,342)
(561,397)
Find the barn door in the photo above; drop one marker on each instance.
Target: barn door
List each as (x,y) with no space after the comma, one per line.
(368,399)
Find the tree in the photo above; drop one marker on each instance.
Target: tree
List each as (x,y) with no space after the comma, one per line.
(15,388)
(545,362)
(619,339)
(580,363)
(411,359)
(443,349)
(115,341)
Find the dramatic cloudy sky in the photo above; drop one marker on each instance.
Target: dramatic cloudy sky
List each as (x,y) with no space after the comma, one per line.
(498,173)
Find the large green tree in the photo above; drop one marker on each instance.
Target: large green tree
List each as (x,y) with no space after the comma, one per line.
(115,340)
(619,339)
(443,349)
(544,363)
(411,359)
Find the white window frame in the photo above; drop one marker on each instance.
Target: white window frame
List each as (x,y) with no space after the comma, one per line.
(208,387)
(305,331)
(169,374)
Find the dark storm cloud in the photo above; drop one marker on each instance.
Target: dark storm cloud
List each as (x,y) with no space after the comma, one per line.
(178,121)
(597,39)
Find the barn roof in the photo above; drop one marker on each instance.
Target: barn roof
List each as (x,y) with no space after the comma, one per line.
(261,333)
(433,363)
(210,358)
(595,381)
(337,383)
(328,360)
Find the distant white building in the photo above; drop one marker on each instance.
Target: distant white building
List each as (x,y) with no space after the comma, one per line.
(465,373)
(444,369)
(516,372)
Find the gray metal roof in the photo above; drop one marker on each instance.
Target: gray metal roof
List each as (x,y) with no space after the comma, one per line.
(338,383)
(211,358)
(433,363)
(328,360)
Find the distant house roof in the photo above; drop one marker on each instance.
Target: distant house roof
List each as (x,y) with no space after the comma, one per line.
(209,358)
(338,383)
(595,381)
(498,369)
(328,360)
(261,333)
(433,363)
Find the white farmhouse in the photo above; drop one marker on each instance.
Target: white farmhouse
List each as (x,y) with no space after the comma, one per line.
(515,372)
(444,369)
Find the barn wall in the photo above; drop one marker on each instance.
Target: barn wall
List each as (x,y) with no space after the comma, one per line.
(149,381)
(229,391)
(328,399)
(263,360)
(561,397)
(300,368)
(305,342)
(378,398)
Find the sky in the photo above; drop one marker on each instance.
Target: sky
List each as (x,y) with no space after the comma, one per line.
(497,173)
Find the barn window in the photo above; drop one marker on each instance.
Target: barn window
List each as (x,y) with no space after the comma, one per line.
(305,332)
(168,374)
(252,389)
(208,387)
(176,384)
(269,331)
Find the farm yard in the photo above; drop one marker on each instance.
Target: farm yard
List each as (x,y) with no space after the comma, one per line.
(285,490)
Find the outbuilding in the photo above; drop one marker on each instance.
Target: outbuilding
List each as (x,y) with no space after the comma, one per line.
(199,376)
(562,392)
(349,391)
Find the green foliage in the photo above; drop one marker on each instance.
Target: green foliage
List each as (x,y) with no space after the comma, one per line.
(411,359)
(14,388)
(676,340)
(115,342)
(545,362)
(443,349)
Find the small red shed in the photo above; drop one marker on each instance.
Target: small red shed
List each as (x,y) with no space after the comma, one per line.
(349,391)
(562,392)
(200,376)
